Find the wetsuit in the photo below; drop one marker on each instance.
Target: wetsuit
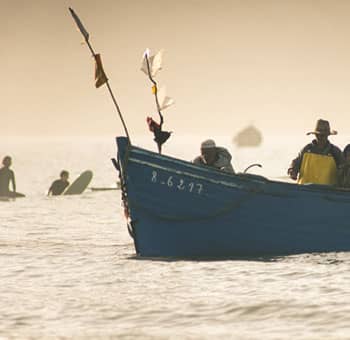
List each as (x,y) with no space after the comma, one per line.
(6,175)
(57,187)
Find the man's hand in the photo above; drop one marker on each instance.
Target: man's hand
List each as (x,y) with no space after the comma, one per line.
(292,174)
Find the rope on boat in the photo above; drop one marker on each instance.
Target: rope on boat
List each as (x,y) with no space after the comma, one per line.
(122,165)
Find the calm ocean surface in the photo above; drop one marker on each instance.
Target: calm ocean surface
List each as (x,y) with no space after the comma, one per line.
(68,268)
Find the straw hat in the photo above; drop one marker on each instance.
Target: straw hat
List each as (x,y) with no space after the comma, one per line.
(322,128)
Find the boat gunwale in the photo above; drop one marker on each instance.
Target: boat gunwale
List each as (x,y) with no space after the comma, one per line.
(249,178)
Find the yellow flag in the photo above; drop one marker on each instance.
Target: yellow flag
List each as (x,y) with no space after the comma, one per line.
(100,76)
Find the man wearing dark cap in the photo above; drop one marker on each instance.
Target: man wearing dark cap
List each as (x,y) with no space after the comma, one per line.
(216,157)
(319,161)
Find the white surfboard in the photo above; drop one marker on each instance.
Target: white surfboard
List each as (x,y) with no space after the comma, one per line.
(80,184)
(114,187)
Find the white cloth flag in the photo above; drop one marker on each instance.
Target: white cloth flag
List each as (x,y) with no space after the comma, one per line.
(155,63)
(164,100)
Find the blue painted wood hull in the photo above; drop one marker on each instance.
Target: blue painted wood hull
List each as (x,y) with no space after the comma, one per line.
(179,209)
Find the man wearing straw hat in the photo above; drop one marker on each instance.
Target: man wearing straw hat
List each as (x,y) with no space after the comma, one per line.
(319,161)
(213,156)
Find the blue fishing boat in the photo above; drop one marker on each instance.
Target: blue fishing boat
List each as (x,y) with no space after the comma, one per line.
(178,209)
(175,208)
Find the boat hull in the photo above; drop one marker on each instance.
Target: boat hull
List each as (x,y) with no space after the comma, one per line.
(178,209)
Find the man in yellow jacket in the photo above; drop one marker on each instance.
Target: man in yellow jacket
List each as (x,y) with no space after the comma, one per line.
(319,161)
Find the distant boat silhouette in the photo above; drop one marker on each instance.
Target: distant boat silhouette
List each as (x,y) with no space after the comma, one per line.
(249,136)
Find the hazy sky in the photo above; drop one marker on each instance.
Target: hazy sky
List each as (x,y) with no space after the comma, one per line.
(277,63)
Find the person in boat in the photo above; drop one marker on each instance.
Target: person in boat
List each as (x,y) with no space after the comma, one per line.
(58,186)
(213,156)
(7,176)
(344,171)
(319,161)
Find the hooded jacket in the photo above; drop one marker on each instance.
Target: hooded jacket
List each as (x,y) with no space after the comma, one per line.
(222,162)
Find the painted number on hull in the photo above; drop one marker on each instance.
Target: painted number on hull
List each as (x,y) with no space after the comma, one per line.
(177,183)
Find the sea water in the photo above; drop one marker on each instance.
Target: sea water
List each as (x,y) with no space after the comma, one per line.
(68,267)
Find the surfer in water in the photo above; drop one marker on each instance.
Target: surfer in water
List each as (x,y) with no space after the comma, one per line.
(58,186)
(7,176)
